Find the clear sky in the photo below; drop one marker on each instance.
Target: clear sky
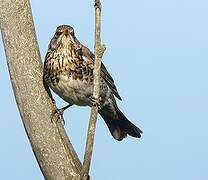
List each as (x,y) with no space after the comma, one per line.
(157,52)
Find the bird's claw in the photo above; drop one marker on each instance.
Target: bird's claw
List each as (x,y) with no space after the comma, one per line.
(58,116)
(95,102)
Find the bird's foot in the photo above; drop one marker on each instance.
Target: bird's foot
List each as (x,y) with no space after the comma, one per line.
(95,101)
(59,113)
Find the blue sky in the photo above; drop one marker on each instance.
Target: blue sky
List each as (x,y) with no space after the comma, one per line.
(157,54)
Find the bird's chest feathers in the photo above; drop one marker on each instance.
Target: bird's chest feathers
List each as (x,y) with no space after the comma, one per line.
(74,91)
(74,77)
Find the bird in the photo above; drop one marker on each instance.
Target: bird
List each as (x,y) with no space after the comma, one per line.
(68,71)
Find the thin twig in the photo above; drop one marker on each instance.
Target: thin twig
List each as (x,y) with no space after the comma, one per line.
(99,50)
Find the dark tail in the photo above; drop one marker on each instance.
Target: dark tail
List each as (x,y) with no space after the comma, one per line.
(118,124)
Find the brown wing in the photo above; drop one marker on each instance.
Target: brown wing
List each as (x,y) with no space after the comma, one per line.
(104,73)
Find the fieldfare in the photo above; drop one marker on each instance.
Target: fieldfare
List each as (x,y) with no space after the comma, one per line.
(68,71)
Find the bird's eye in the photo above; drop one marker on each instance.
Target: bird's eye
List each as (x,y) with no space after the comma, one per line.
(58,33)
(72,32)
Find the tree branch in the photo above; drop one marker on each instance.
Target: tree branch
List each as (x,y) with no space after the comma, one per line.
(99,50)
(51,146)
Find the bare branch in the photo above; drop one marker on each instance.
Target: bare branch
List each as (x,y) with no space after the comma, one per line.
(51,146)
(99,50)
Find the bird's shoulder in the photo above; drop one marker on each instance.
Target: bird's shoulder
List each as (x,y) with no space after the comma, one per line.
(90,58)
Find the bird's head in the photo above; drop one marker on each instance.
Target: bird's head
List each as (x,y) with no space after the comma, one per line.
(63,37)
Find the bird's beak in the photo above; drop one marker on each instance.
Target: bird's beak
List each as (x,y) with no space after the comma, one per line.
(66,32)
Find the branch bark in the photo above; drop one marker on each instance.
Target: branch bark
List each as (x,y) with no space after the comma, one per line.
(99,50)
(51,146)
